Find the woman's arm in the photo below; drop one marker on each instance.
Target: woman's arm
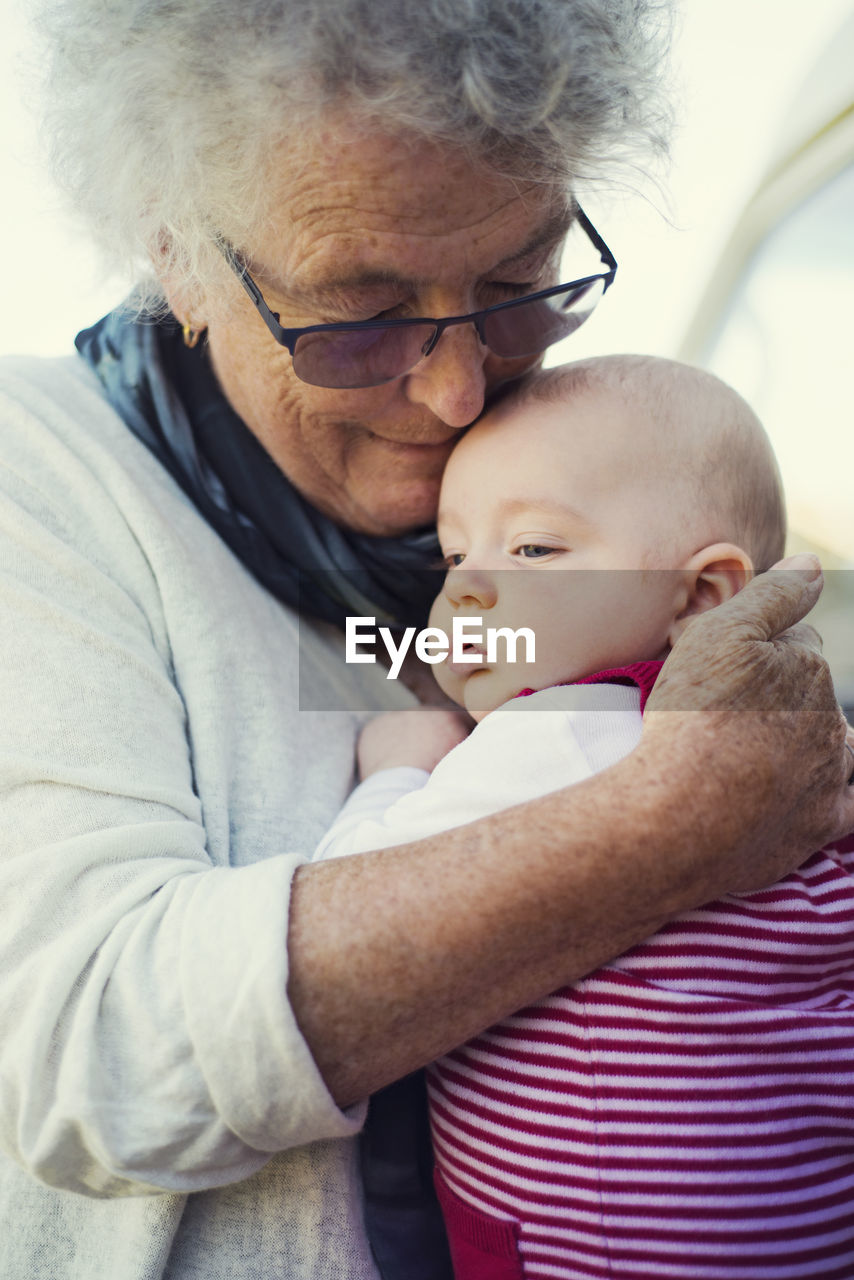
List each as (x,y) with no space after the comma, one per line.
(396,956)
(158,791)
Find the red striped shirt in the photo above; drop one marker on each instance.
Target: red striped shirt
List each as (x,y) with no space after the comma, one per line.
(686,1113)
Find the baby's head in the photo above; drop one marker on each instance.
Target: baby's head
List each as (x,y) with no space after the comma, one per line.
(653,477)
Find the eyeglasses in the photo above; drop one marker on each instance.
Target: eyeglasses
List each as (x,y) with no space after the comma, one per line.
(371,352)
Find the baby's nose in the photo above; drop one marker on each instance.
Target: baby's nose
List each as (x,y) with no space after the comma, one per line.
(465,586)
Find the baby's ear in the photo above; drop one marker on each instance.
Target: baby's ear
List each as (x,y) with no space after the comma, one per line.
(713,575)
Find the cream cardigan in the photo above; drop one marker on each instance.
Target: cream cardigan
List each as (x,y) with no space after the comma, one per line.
(160,1115)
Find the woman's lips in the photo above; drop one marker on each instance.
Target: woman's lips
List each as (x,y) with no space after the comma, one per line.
(415,446)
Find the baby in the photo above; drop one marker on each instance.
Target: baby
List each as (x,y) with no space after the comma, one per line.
(688,1110)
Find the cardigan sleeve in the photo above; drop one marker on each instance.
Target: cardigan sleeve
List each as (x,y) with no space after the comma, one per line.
(147,1043)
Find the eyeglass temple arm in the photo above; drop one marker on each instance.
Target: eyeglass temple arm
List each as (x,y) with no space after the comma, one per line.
(269,317)
(605,253)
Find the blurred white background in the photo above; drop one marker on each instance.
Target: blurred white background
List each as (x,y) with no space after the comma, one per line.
(751,92)
(738,67)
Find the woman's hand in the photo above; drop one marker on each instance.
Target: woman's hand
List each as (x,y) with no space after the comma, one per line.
(418,738)
(747,696)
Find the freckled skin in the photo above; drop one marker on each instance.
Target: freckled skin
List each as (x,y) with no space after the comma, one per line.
(373,458)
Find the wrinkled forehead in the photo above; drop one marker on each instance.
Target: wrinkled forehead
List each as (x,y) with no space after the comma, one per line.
(356,202)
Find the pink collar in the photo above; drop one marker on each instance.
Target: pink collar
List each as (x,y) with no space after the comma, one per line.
(642,674)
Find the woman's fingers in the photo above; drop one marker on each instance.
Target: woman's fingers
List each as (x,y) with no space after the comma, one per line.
(770,739)
(802,634)
(774,601)
(845,814)
(754,652)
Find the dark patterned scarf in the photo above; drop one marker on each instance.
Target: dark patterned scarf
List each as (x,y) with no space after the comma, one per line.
(169,397)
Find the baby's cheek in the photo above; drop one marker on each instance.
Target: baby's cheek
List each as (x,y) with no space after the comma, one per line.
(440,613)
(449,682)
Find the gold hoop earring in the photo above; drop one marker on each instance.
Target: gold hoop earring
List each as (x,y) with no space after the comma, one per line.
(190,334)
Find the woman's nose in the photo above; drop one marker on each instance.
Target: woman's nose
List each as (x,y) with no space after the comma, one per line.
(475,588)
(451,382)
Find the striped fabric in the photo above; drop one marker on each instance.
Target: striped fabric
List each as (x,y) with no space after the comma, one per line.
(686,1112)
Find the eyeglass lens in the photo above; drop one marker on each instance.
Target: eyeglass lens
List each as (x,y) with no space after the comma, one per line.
(531,327)
(347,359)
(360,357)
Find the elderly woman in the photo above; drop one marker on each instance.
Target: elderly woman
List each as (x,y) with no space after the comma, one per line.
(192,1012)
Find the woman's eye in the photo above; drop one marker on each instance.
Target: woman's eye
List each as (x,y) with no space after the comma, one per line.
(362,316)
(361,311)
(400,311)
(505,290)
(541,277)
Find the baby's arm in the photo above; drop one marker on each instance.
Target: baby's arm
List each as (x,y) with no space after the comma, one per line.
(417,738)
(396,754)
(415,785)
(513,755)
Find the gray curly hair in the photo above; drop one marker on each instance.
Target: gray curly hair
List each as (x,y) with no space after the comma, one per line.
(164,115)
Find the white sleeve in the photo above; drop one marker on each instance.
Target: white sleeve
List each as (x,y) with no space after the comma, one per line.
(147,1042)
(526,749)
(367,818)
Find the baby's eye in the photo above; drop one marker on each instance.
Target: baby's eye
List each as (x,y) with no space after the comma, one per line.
(535,551)
(454,560)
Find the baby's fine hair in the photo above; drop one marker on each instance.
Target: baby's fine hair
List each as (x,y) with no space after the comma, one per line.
(709,444)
